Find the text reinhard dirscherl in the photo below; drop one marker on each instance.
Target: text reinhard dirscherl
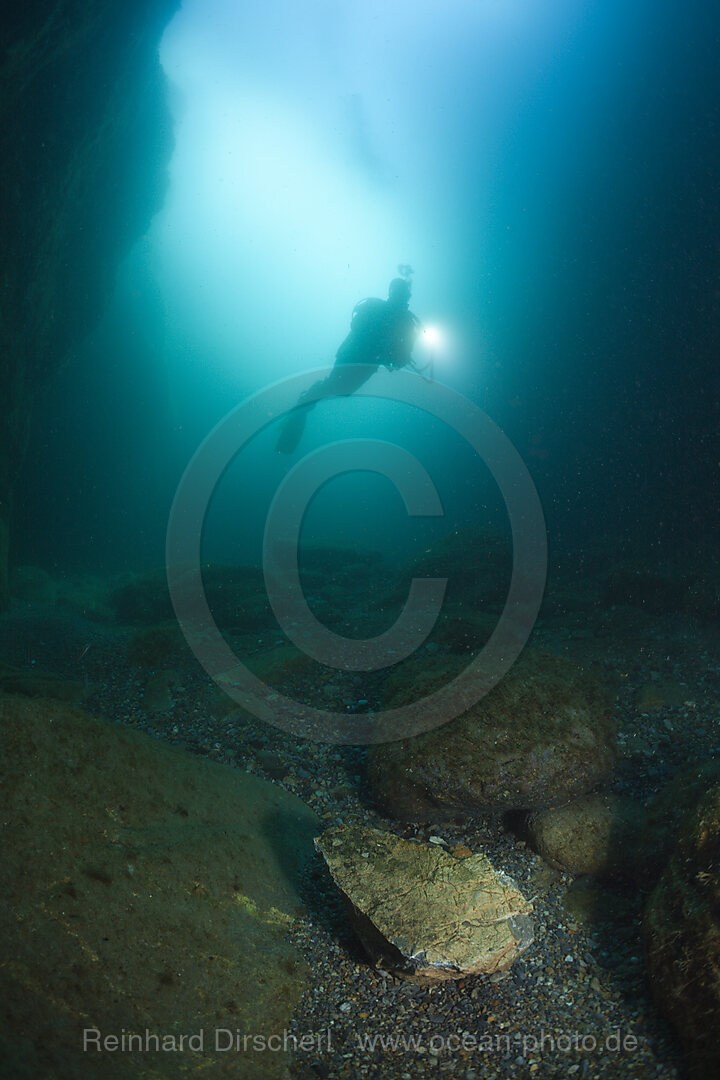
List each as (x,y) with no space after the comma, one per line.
(219,1040)
(223,1040)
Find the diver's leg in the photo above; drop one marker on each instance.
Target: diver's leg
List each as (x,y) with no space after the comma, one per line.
(293,427)
(344,379)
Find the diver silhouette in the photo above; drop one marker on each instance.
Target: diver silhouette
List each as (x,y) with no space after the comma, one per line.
(382,332)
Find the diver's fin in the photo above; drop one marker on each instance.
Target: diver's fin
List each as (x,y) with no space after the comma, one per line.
(292,431)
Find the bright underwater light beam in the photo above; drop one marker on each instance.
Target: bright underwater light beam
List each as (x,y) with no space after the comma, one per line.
(430,338)
(439,344)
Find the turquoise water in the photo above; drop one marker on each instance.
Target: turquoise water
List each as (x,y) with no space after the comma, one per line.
(548,172)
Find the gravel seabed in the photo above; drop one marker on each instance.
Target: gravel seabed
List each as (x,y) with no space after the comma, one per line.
(577,1004)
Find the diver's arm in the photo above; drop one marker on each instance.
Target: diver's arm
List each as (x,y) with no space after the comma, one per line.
(405,343)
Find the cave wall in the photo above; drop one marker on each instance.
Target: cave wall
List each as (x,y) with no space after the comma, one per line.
(85,138)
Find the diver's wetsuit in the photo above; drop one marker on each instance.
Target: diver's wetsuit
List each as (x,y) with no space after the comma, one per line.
(381,332)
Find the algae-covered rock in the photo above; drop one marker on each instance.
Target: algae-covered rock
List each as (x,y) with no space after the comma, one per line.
(666,815)
(595,834)
(142,889)
(33,683)
(544,734)
(682,938)
(421,912)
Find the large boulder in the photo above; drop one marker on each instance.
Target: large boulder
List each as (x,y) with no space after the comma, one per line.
(143,889)
(543,735)
(682,937)
(423,913)
(606,835)
(667,815)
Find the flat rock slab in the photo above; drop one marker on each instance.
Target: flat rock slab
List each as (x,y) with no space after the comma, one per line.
(422,913)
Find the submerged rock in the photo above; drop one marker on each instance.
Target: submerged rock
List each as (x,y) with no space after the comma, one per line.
(682,938)
(606,835)
(33,683)
(595,834)
(544,734)
(667,814)
(422,913)
(141,888)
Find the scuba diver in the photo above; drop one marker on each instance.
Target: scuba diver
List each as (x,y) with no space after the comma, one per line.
(382,332)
